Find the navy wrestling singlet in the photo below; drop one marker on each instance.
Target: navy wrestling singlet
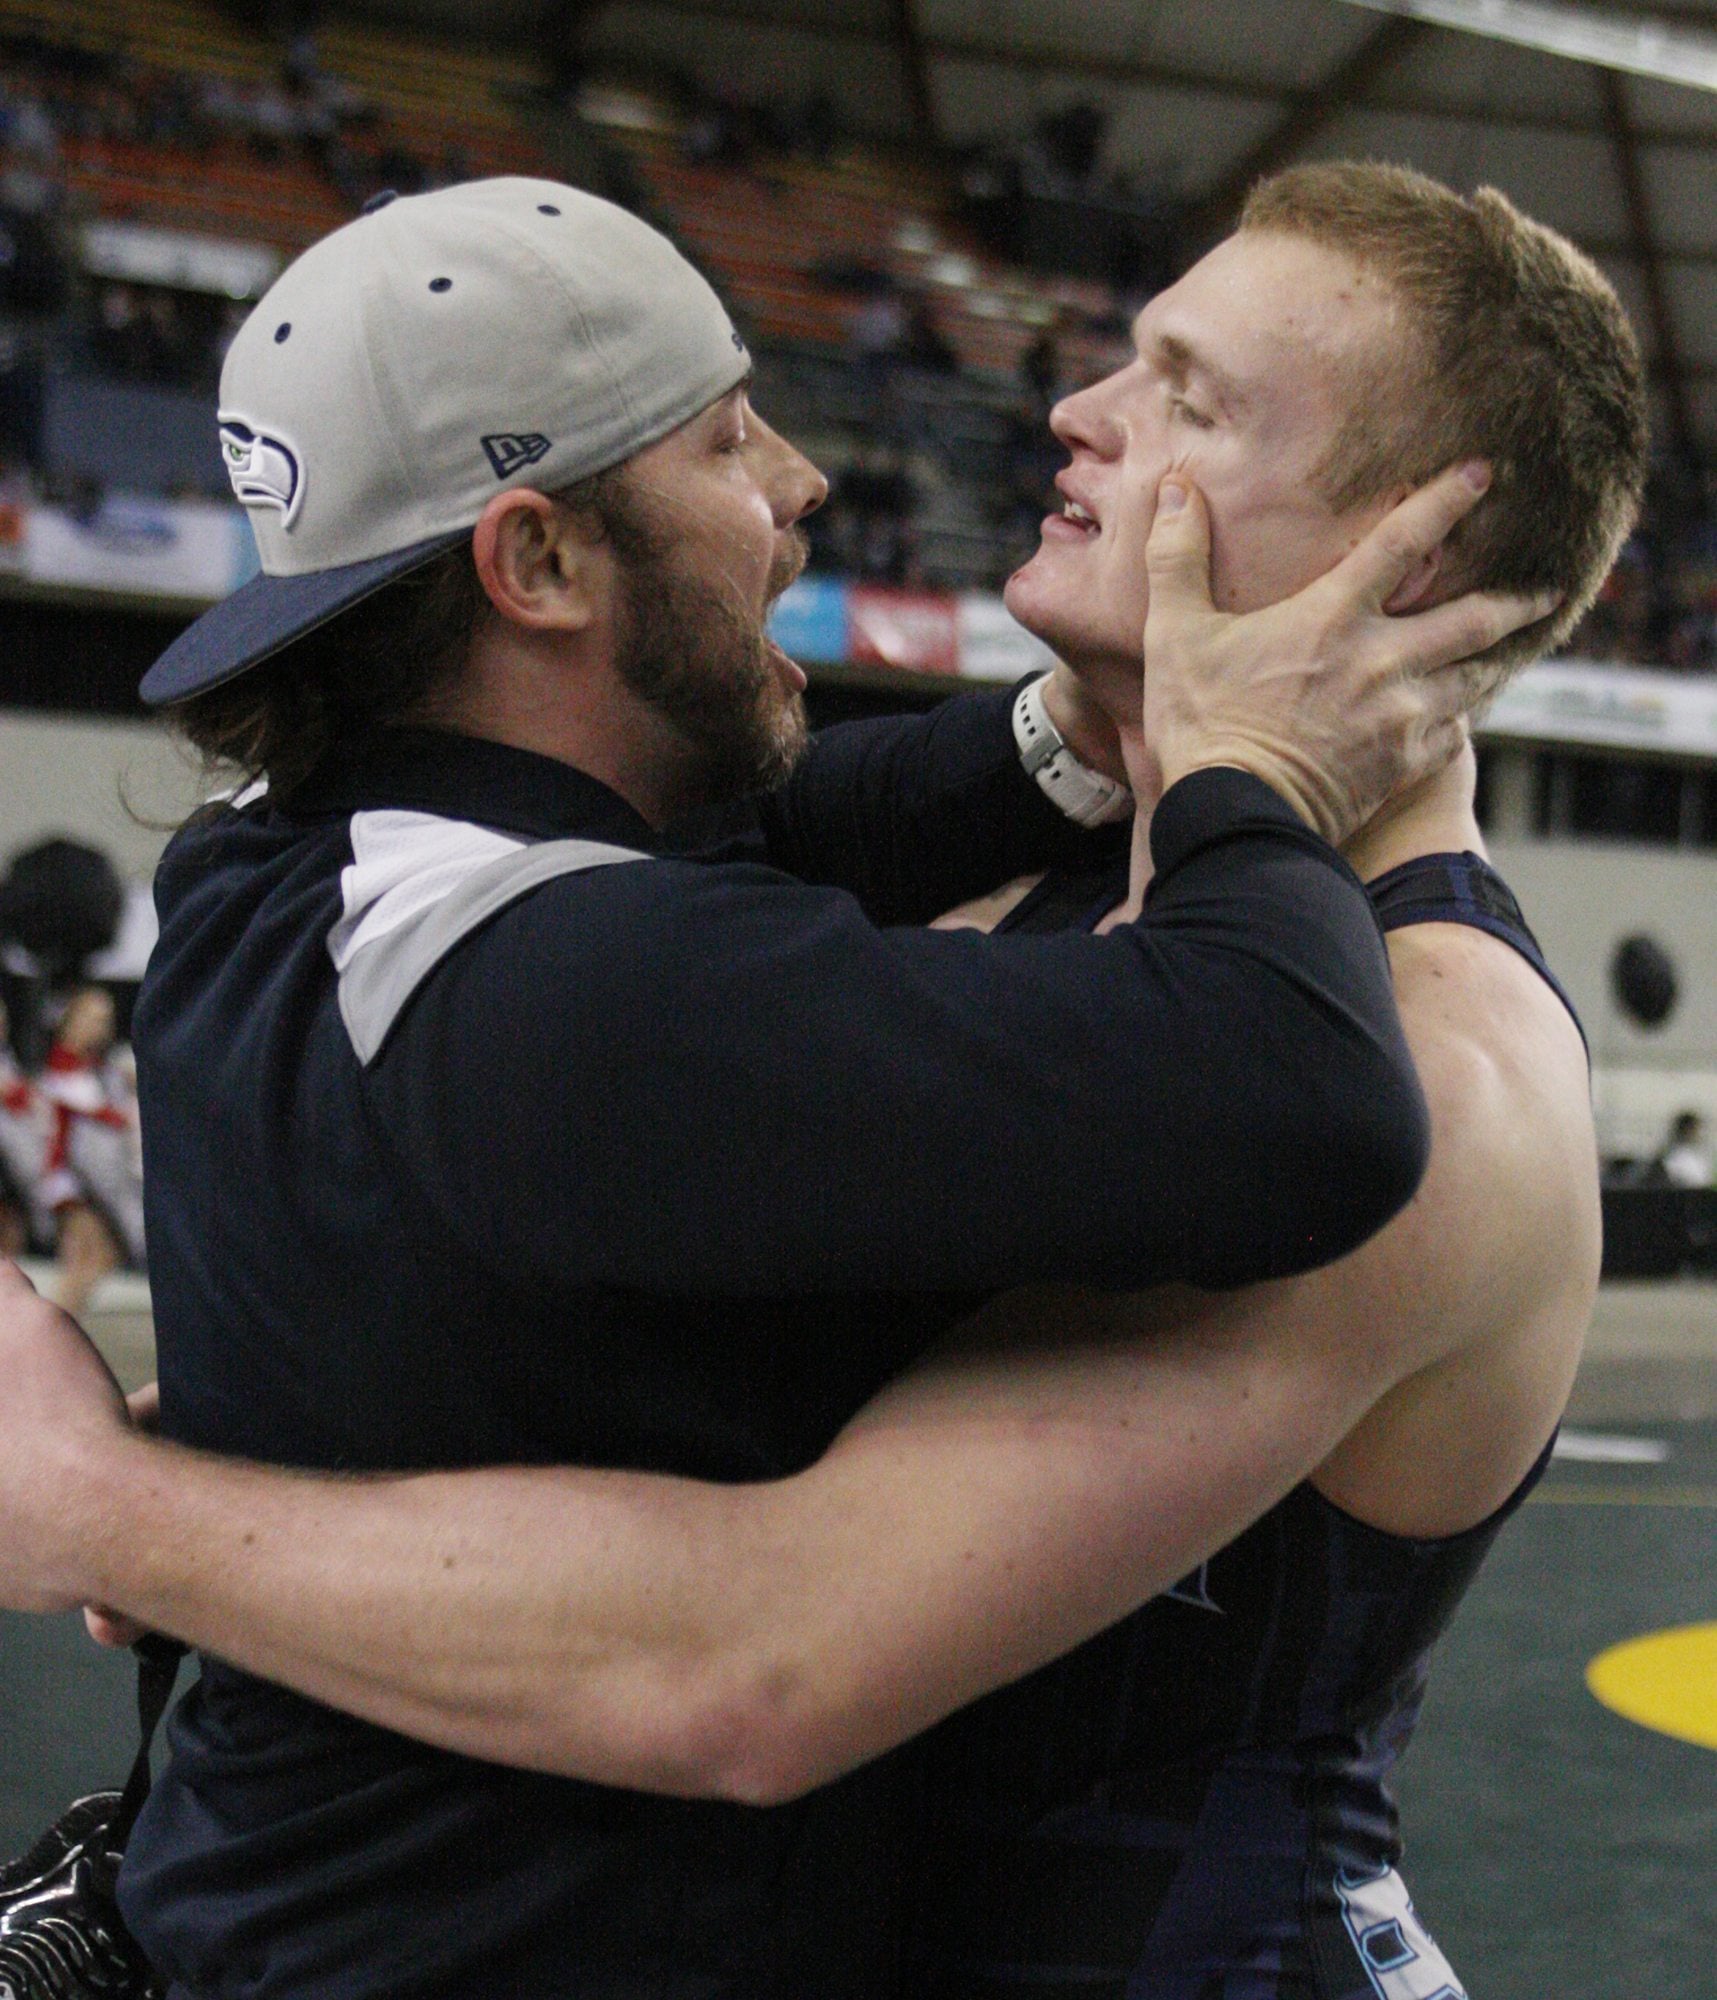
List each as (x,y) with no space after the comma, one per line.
(1195,1805)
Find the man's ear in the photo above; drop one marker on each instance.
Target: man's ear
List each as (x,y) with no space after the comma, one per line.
(541,565)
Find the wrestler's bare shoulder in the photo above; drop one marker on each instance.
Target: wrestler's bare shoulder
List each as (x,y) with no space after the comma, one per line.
(1496,1259)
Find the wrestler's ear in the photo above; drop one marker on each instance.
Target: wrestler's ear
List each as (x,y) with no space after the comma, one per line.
(1416,586)
(542,565)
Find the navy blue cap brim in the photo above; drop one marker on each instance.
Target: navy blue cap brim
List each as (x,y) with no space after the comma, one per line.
(265,615)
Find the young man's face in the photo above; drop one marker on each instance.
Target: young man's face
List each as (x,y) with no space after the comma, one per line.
(1243,373)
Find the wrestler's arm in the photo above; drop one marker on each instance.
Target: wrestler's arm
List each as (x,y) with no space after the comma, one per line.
(1010,1497)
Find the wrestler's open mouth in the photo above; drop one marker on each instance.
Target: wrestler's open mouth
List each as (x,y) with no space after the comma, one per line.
(1071,522)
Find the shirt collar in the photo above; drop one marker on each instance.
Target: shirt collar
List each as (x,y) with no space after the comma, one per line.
(471,778)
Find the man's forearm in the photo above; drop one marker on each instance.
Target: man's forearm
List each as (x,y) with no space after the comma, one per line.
(916,813)
(558,1619)
(739,1642)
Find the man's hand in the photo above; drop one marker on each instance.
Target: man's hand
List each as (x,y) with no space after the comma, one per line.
(61,1410)
(1330,699)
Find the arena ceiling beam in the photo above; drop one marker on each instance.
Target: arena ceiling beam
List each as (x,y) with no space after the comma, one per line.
(920,104)
(1141,73)
(1303,120)
(1671,373)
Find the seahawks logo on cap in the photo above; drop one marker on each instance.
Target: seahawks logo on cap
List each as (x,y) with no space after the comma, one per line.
(264,467)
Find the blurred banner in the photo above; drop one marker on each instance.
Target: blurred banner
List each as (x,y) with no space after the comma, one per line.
(189,551)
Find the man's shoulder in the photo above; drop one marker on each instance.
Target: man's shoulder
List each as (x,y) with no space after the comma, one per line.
(516,941)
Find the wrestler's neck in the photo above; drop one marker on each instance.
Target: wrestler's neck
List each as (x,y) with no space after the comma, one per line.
(1433,817)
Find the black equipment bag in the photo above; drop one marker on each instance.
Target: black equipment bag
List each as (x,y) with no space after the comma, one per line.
(61,1934)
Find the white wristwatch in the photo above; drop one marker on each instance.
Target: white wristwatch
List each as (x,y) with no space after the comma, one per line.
(1084,795)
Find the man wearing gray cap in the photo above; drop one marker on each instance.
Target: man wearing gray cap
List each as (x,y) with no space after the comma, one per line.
(491,1122)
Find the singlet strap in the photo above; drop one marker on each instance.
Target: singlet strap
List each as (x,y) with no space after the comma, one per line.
(1462,889)
(1069,899)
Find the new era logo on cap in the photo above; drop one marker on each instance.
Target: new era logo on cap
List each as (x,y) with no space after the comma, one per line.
(510,451)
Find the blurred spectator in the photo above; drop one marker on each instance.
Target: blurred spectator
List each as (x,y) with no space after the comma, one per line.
(1025,492)
(815,128)
(871,502)
(26,1124)
(92,1177)
(1686,1159)
(60,903)
(1040,368)
(877,331)
(1066,149)
(923,343)
(720,132)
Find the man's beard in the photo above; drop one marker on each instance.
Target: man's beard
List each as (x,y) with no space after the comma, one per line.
(700,659)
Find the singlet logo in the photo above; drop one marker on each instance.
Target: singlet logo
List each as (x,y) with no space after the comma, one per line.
(511,451)
(1400,1958)
(264,467)
(1195,1590)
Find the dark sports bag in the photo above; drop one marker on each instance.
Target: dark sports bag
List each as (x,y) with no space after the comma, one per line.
(61,1934)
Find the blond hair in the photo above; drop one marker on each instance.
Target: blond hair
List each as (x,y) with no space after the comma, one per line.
(1518,352)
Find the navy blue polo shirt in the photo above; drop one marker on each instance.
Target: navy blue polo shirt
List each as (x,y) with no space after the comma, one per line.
(669,1162)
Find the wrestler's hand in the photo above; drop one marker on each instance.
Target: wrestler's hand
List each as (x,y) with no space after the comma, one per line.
(60,1412)
(1332,700)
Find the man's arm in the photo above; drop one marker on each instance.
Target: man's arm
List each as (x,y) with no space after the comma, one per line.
(913,813)
(867,1080)
(1009,1498)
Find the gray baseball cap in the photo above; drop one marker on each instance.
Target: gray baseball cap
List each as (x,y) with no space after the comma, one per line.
(440,348)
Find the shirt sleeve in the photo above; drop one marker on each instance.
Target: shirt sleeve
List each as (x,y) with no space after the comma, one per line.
(910,813)
(718,1080)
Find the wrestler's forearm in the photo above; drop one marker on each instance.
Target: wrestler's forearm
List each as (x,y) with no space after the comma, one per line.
(740,1642)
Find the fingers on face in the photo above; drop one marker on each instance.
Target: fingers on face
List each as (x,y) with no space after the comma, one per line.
(1409,532)
(1465,627)
(1180,528)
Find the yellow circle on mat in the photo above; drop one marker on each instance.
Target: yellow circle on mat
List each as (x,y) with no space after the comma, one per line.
(1666,1681)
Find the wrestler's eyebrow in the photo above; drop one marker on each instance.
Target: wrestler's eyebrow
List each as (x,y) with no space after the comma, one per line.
(1179,359)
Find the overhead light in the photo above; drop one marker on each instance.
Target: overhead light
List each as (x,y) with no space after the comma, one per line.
(1613,41)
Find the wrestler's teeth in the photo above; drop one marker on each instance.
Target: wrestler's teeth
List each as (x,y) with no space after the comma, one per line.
(1072,511)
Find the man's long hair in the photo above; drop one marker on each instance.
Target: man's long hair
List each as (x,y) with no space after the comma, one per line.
(379,666)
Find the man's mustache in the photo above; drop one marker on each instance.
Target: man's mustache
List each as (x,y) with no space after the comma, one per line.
(788,563)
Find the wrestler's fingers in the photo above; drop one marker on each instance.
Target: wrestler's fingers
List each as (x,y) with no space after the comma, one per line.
(1467,626)
(1409,533)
